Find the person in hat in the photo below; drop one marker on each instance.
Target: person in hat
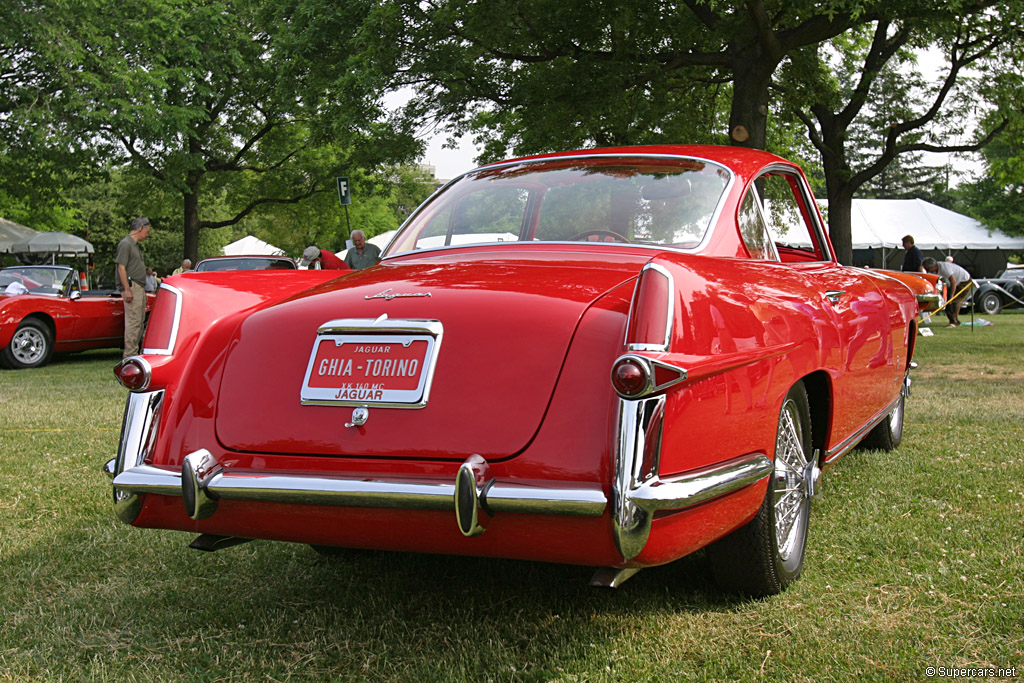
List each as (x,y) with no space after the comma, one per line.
(131,281)
(322,259)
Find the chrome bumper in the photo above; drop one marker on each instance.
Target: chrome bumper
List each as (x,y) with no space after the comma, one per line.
(640,491)
(929,301)
(202,482)
(474,494)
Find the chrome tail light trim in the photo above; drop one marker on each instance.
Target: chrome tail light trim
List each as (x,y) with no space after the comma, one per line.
(640,491)
(138,434)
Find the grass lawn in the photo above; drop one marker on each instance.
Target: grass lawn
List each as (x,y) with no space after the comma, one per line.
(915,560)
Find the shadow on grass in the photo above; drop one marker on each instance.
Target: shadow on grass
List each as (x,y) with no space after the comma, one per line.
(113,356)
(122,594)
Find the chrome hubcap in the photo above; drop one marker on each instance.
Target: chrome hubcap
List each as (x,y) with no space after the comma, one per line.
(794,481)
(28,345)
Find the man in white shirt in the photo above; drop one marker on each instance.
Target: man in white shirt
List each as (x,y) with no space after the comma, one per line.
(959,281)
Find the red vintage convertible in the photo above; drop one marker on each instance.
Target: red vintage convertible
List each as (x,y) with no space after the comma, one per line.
(43,310)
(610,357)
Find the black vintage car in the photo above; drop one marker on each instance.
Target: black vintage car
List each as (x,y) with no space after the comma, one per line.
(1006,290)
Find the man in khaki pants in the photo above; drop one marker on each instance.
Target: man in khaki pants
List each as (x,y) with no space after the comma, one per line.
(131,280)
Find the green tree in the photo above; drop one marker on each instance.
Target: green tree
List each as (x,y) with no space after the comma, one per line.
(997,198)
(208,99)
(533,75)
(380,202)
(864,104)
(529,76)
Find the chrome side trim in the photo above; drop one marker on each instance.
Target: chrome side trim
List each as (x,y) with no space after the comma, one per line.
(640,491)
(833,455)
(208,482)
(138,431)
(694,488)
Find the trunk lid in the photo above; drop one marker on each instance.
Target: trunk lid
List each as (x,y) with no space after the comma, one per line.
(506,319)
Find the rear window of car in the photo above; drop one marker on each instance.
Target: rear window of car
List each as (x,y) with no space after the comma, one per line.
(245,264)
(660,201)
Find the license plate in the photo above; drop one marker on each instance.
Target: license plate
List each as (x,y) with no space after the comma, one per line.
(356,369)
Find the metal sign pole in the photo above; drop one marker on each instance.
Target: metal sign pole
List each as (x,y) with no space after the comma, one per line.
(345,198)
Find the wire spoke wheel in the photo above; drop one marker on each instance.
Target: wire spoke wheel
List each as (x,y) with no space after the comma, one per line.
(790,486)
(767,554)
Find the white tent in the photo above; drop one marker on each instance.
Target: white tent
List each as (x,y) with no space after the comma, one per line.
(251,246)
(878,227)
(11,232)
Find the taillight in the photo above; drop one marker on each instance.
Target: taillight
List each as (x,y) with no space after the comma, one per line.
(162,328)
(134,373)
(635,376)
(629,376)
(650,316)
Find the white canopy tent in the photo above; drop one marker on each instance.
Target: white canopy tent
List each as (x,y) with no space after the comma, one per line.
(251,246)
(11,232)
(878,227)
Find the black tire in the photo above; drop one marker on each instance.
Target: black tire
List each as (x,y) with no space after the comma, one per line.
(887,434)
(990,303)
(30,347)
(765,556)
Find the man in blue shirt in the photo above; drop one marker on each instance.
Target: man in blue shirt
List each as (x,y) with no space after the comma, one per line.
(914,258)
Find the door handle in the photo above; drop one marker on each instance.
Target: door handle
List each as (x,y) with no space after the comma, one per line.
(834,295)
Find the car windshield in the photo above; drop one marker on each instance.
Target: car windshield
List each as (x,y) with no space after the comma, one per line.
(640,200)
(37,279)
(245,263)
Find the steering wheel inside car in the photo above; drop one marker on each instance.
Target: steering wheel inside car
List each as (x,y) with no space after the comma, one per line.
(616,237)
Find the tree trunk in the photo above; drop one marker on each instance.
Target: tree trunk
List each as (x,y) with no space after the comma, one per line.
(191,223)
(748,118)
(191,197)
(840,223)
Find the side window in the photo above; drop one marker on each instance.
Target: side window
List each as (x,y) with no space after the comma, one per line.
(788,218)
(753,230)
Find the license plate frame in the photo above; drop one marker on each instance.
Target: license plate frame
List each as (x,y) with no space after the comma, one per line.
(372,363)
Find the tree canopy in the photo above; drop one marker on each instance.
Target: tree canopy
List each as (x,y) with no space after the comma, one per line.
(242,112)
(530,76)
(209,98)
(865,103)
